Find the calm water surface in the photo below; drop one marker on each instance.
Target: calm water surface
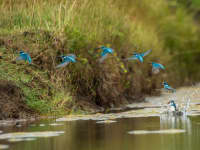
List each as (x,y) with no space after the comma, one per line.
(88,135)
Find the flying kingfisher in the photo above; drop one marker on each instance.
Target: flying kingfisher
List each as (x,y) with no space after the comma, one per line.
(156,67)
(105,52)
(139,56)
(24,56)
(167,87)
(66,60)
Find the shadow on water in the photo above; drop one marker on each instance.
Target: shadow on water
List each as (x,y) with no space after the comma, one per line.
(89,135)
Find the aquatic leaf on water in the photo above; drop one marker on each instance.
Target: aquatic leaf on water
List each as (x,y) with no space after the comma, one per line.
(167,131)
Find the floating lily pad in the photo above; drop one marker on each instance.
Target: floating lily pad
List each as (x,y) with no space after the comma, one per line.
(167,131)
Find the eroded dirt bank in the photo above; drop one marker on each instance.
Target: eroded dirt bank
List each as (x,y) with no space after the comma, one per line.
(12,102)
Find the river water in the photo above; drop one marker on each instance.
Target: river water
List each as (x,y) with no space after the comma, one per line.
(90,135)
(140,129)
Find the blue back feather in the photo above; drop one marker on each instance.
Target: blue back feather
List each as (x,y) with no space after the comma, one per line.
(158,66)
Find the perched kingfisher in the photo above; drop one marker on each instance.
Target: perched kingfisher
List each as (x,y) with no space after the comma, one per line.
(156,67)
(105,52)
(66,60)
(24,56)
(139,56)
(172,105)
(167,87)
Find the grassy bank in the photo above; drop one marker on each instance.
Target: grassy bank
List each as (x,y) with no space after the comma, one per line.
(46,29)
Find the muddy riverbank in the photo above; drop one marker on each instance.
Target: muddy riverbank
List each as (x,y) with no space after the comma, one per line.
(152,106)
(12,102)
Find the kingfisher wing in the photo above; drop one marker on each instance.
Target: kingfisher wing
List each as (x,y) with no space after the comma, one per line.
(19,58)
(104,53)
(63,64)
(22,56)
(132,58)
(140,58)
(29,58)
(109,50)
(161,66)
(70,59)
(146,53)
(170,88)
(103,58)
(158,66)
(72,55)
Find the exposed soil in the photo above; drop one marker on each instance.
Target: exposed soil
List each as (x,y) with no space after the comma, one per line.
(12,104)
